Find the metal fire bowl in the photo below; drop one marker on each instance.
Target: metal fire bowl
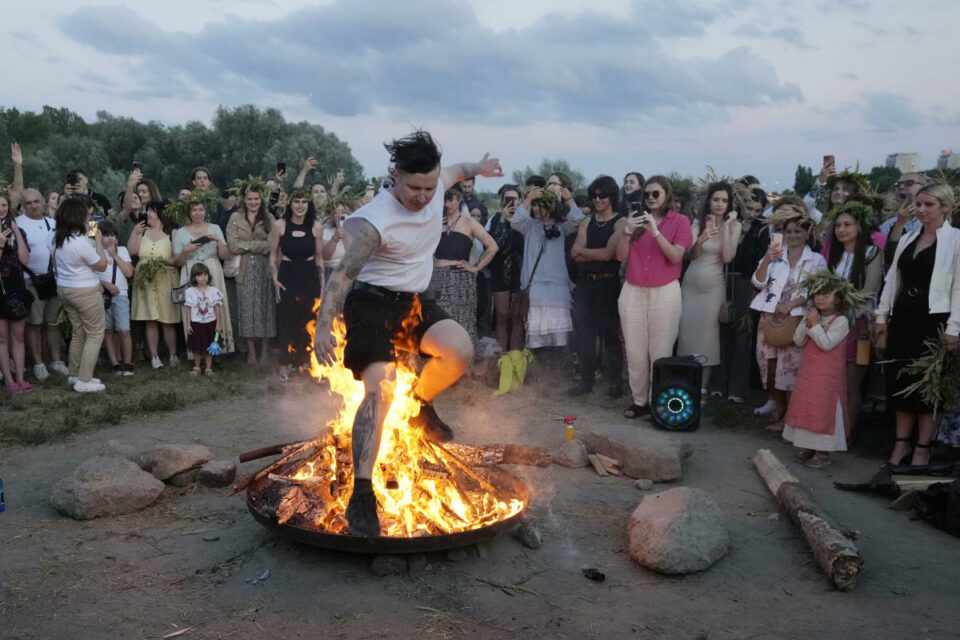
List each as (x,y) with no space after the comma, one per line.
(509,485)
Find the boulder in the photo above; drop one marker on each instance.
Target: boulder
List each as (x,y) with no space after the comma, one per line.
(116,448)
(167,460)
(643,484)
(642,453)
(183,479)
(217,473)
(529,535)
(104,486)
(677,531)
(572,454)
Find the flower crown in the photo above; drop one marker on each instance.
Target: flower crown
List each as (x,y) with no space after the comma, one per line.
(864,214)
(825,281)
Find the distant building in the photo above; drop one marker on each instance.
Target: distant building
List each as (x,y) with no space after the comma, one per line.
(948,160)
(906,162)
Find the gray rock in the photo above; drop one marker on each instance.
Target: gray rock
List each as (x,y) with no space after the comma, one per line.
(677,531)
(529,535)
(572,454)
(116,448)
(217,473)
(183,479)
(389,566)
(167,460)
(642,453)
(643,484)
(104,486)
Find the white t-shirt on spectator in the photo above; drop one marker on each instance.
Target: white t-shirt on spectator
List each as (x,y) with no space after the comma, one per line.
(202,304)
(74,260)
(40,238)
(121,280)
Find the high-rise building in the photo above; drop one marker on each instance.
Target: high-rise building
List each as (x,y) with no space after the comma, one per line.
(948,160)
(906,162)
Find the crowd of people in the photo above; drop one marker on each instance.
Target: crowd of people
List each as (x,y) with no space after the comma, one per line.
(805,294)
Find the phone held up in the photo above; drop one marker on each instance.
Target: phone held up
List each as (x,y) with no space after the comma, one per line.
(776,240)
(281,167)
(137,166)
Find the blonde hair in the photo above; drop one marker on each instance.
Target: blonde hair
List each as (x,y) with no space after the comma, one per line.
(942,192)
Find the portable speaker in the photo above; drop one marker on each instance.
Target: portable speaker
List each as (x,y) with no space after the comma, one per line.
(675,404)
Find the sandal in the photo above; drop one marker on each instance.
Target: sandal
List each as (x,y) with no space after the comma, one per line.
(920,446)
(804,455)
(905,458)
(818,460)
(195,371)
(634,411)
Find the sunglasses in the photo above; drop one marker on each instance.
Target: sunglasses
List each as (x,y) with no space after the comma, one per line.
(599,196)
(652,195)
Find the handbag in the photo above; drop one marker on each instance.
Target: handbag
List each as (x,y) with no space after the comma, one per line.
(778,329)
(15,305)
(231,267)
(179,294)
(107,296)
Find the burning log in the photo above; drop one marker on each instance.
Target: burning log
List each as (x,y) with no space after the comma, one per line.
(489,455)
(835,553)
(290,452)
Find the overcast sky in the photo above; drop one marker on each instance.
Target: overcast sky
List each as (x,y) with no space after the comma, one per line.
(753,86)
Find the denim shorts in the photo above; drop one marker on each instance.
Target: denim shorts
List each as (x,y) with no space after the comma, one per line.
(118,315)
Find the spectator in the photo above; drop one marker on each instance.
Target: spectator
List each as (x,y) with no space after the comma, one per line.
(77,183)
(53,202)
(632,186)
(454,279)
(779,277)
(78,285)
(472,201)
(598,288)
(505,271)
(248,236)
(296,264)
(202,241)
(116,295)
(906,219)
(154,279)
(148,191)
(541,221)
(43,323)
(334,235)
(206,316)
(653,243)
(131,209)
(919,300)
(14,255)
(704,286)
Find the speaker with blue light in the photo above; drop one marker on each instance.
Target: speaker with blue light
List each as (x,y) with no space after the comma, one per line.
(675,393)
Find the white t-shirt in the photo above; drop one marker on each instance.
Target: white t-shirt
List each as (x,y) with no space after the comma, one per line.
(73,263)
(121,280)
(41,235)
(404,261)
(337,253)
(202,305)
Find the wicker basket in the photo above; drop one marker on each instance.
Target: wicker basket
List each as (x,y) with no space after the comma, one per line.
(778,329)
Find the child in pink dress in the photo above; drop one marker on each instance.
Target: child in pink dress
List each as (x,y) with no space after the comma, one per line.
(817,415)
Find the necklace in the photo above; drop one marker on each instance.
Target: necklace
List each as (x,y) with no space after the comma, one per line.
(599,224)
(454,224)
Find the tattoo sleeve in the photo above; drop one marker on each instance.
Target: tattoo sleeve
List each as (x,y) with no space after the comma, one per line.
(365,242)
(364,427)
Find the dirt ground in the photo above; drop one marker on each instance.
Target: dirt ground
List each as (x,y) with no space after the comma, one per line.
(187,561)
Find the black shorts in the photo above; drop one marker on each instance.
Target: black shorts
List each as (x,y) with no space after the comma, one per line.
(374,319)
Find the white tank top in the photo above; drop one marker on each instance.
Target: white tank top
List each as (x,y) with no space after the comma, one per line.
(408,240)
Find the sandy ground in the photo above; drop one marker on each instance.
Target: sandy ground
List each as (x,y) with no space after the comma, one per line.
(186,561)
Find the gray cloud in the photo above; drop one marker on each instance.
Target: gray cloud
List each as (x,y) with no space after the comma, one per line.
(890,112)
(434,59)
(788,34)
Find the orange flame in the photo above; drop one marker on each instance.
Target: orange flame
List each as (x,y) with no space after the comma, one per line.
(415,480)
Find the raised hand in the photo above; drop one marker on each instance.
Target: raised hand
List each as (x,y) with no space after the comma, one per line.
(489,167)
(16,155)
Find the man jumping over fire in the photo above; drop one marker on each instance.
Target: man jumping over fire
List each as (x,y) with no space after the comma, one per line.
(383,274)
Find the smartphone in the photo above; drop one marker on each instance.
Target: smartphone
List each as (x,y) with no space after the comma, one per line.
(776,240)
(201,240)
(92,228)
(137,166)
(281,167)
(142,218)
(829,161)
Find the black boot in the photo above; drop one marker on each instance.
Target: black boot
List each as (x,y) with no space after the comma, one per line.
(362,510)
(428,420)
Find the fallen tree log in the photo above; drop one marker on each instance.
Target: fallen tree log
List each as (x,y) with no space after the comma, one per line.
(835,553)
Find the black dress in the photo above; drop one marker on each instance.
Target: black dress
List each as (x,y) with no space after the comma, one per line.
(911,324)
(298,274)
(506,263)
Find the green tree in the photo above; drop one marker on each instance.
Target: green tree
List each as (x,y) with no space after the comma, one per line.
(548,166)
(882,179)
(803,180)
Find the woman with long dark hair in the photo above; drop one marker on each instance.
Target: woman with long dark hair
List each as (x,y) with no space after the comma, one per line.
(653,241)
(703,288)
(14,255)
(248,235)
(296,263)
(78,285)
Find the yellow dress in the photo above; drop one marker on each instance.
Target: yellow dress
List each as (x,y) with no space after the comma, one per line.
(153,302)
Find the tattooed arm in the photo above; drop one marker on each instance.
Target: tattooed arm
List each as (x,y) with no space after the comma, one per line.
(364,242)
(487,167)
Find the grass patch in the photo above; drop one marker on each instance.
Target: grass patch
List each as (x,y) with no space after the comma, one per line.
(727,415)
(54,412)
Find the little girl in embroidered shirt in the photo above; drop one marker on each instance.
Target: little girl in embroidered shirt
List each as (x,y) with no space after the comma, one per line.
(817,412)
(205,303)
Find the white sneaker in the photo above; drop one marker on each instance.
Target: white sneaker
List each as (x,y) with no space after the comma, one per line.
(40,372)
(72,380)
(156,363)
(735,399)
(93,386)
(174,361)
(59,366)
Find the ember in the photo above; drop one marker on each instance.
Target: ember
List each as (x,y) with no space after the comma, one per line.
(423,488)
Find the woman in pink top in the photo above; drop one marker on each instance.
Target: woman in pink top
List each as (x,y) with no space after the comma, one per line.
(653,242)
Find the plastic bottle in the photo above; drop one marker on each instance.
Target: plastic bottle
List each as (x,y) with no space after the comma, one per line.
(569,428)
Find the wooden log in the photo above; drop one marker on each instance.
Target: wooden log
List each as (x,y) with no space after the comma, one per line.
(528,456)
(612,466)
(489,455)
(835,553)
(597,465)
(918,483)
(289,453)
